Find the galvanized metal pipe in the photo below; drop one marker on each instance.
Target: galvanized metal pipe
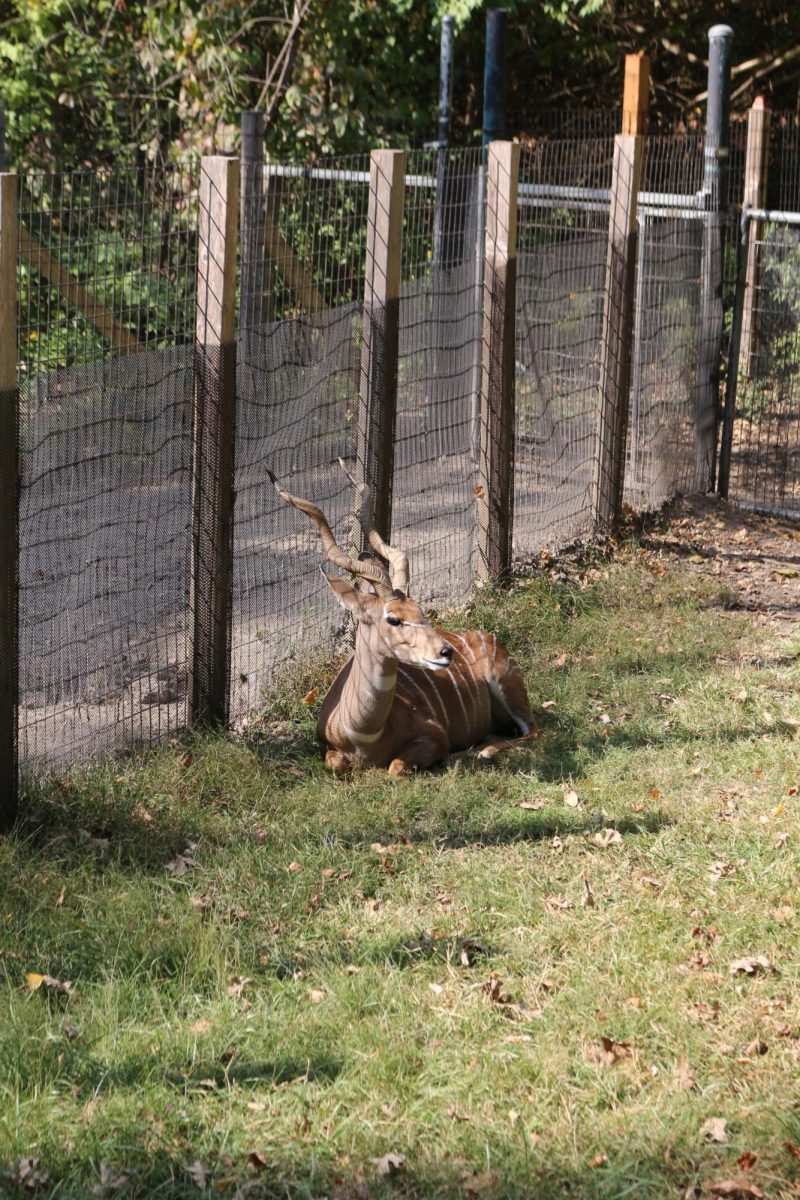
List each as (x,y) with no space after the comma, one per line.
(494,72)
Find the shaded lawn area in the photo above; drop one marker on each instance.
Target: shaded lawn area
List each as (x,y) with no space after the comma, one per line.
(516,978)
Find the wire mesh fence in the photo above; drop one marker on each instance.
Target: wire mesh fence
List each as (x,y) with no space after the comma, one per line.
(106,291)
(667,318)
(438,372)
(298,373)
(564,203)
(119,386)
(761,443)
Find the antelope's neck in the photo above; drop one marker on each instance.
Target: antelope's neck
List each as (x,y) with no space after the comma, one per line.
(371,685)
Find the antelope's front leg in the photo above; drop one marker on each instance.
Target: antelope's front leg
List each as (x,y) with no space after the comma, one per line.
(419,753)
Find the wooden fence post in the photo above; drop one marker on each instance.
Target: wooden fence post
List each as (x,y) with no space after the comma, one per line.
(9,499)
(252,221)
(755,196)
(214,413)
(495,491)
(617,337)
(378,408)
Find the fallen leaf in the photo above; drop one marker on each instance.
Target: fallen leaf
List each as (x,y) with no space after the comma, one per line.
(25,1173)
(480,1182)
(783,915)
(436,988)
(606,838)
(746,1160)
(60,899)
(714,1129)
(695,558)
(791,1149)
(611,1051)
(390,1164)
(571,799)
(721,869)
(34,981)
(756,1048)
(548,704)
(198,1173)
(758,965)
(294,866)
(70,1032)
(599,1160)
(703,1013)
(533,805)
(317,995)
(238,984)
(200,1027)
(587,899)
(310,697)
(786,572)
(735,1188)
(109,1181)
(257,1159)
(454,1115)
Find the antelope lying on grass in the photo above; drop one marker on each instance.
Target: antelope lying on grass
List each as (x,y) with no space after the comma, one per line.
(410,693)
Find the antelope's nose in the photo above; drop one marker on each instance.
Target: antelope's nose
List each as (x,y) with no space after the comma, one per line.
(446,652)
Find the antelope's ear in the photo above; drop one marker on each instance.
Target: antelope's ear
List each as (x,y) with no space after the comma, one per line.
(348,597)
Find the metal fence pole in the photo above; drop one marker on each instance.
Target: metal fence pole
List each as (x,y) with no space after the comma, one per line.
(739,300)
(9,499)
(494,76)
(378,407)
(253,211)
(755,196)
(715,188)
(215,396)
(615,360)
(495,491)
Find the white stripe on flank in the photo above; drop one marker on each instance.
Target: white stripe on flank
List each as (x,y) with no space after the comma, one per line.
(469,675)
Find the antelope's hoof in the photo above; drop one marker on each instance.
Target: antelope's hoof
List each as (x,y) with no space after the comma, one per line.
(338,763)
(398,769)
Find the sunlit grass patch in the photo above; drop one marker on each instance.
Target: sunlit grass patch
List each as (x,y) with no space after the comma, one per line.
(516,979)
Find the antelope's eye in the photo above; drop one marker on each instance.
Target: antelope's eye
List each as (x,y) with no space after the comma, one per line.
(394,620)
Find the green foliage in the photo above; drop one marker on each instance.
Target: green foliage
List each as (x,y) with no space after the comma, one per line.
(89,80)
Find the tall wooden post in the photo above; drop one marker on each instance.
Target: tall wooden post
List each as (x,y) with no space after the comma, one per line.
(252,221)
(9,499)
(755,196)
(378,408)
(615,360)
(495,491)
(715,190)
(215,395)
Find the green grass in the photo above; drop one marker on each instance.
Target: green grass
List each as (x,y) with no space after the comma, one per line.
(446,998)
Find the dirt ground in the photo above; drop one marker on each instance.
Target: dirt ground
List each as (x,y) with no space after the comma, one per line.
(756,557)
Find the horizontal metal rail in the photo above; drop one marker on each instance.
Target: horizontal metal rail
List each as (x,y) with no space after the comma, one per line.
(772,214)
(531,195)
